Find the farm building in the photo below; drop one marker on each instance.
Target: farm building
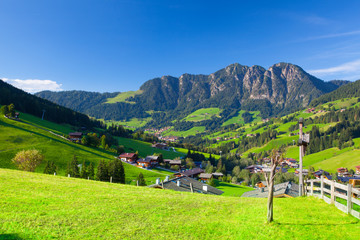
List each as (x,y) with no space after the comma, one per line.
(128,157)
(75,136)
(187,184)
(287,189)
(193,173)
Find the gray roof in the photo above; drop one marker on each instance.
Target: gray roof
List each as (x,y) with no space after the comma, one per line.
(287,188)
(191,172)
(185,186)
(205,175)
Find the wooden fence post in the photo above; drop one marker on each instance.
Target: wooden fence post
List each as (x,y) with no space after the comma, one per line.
(332,197)
(68,175)
(137,182)
(322,187)
(111,179)
(191,188)
(349,195)
(311,187)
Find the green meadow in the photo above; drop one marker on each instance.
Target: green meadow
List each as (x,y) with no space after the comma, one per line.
(38,206)
(203,114)
(121,97)
(17,136)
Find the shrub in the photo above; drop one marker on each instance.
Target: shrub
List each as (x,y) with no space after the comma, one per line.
(28,160)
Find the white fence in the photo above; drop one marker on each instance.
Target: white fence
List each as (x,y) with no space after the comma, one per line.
(335,190)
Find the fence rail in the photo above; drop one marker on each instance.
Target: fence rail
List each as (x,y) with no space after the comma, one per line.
(335,190)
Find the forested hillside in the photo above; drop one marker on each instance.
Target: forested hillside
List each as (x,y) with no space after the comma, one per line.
(34,105)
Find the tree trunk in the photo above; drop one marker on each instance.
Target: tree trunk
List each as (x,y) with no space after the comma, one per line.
(270,199)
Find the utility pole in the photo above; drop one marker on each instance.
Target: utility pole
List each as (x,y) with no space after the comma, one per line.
(301,182)
(42,118)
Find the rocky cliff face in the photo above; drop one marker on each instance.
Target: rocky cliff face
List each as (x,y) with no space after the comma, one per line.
(283,85)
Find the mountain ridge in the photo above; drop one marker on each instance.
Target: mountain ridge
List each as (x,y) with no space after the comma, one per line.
(280,89)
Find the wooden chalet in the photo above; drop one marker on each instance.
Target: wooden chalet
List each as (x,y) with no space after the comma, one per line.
(173,162)
(193,173)
(342,172)
(128,157)
(143,163)
(357,171)
(75,136)
(162,146)
(254,168)
(205,176)
(217,175)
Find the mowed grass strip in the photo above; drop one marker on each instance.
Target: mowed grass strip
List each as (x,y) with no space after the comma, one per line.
(37,206)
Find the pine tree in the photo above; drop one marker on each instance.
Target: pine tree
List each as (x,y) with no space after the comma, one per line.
(83,172)
(102,173)
(72,168)
(50,167)
(141,180)
(90,171)
(116,171)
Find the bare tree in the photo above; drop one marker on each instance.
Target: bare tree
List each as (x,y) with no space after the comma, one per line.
(276,158)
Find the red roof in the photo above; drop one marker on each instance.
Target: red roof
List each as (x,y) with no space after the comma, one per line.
(127,155)
(358,166)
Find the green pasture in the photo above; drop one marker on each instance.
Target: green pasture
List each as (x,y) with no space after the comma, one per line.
(191,132)
(121,97)
(232,190)
(203,114)
(17,136)
(240,120)
(38,206)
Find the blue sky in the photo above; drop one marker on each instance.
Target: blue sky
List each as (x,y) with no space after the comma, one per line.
(114,45)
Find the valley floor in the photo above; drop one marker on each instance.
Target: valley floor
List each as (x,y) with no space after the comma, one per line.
(38,206)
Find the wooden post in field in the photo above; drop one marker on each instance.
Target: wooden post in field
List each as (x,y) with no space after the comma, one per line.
(137,182)
(111,179)
(332,197)
(68,175)
(191,188)
(311,187)
(349,195)
(54,173)
(301,181)
(322,187)
(162,184)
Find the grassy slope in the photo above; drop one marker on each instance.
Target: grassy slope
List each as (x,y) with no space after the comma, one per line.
(232,190)
(191,132)
(16,136)
(202,114)
(348,159)
(240,120)
(38,206)
(145,148)
(121,97)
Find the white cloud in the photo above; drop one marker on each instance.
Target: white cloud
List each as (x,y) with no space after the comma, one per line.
(334,35)
(34,85)
(346,69)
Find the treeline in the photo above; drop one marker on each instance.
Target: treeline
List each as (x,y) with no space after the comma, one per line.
(258,140)
(106,170)
(340,136)
(347,91)
(31,104)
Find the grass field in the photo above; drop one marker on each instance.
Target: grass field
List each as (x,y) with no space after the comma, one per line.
(191,132)
(37,206)
(348,159)
(133,123)
(240,120)
(17,136)
(145,148)
(232,190)
(203,114)
(121,97)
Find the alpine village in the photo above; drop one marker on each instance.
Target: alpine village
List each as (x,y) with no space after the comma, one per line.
(244,152)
